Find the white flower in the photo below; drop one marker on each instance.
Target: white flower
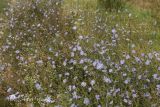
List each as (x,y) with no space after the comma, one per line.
(73,87)
(133,45)
(73,105)
(53,64)
(48,100)
(40,62)
(158,87)
(56,54)
(86,101)
(12,97)
(2,67)
(72,54)
(66,33)
(64,63)
(137,59)
(150,55)
(89,89)
(133,69)
(81,61)
(134,95)
(127,81)
(124,74)
(125,100)
(92,82)
(147,94)
(127,57)
(83,84)
(82,53)
(107,80)
(133,51)
(142,54)
(9,90)
(159,68)
(73,61)
(38,86)
(110,70)
(80,37)
(140,77)
(113,31)
(122,62)
(116,35)
(129,15)
(79,48)
(97,97)
(67,74)
(117,90)
(74,28)
(155,76)
(147,62)
(74,94)
(39,25)
(17,51)
(99,106)
(65,80)
(74,49)
(98,65)
(94,63)
(111,102)
(50,49)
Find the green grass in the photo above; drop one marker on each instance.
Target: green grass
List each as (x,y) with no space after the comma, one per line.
(3,4)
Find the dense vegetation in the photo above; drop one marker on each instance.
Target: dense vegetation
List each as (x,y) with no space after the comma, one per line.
(94,53)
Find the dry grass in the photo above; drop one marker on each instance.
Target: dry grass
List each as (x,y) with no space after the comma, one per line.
(145,4)
(152,6)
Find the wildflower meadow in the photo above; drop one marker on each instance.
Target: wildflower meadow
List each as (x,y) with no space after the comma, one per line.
(79,53)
